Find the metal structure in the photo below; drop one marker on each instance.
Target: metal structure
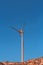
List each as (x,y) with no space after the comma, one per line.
(21,32)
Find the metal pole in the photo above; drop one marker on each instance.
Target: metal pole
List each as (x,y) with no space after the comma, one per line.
(22,47)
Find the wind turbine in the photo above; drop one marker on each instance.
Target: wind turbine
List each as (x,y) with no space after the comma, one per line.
(21,32)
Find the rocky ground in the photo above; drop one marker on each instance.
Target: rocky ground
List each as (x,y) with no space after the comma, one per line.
(37,61)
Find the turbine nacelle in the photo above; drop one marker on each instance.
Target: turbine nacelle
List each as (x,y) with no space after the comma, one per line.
(20,31)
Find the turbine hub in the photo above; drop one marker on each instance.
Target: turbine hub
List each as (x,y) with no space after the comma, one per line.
(21,31)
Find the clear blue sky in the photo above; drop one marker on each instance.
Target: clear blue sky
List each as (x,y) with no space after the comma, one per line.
(15,13)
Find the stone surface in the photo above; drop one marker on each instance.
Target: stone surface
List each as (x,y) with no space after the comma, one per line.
(37,61)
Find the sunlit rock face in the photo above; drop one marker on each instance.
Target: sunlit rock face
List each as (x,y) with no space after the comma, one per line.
(37,61)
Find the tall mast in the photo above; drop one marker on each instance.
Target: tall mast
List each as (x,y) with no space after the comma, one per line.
(21,32)
(22,46)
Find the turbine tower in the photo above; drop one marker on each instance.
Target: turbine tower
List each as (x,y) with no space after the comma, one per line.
(21,32)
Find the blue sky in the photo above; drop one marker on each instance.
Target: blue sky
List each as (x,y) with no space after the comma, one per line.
(15,13)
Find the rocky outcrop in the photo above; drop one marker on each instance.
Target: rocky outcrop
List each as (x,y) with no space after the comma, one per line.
(37,61)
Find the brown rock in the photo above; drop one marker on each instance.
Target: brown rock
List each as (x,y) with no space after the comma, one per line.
(37,61)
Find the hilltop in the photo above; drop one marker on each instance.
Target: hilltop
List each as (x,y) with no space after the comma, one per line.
(35,61)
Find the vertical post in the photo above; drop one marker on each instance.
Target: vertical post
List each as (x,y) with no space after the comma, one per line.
(22,47)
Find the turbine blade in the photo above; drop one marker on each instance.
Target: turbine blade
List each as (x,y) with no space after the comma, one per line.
(23,26)
(15,29)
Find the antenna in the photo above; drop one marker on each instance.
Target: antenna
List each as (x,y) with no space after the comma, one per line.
(21,32)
